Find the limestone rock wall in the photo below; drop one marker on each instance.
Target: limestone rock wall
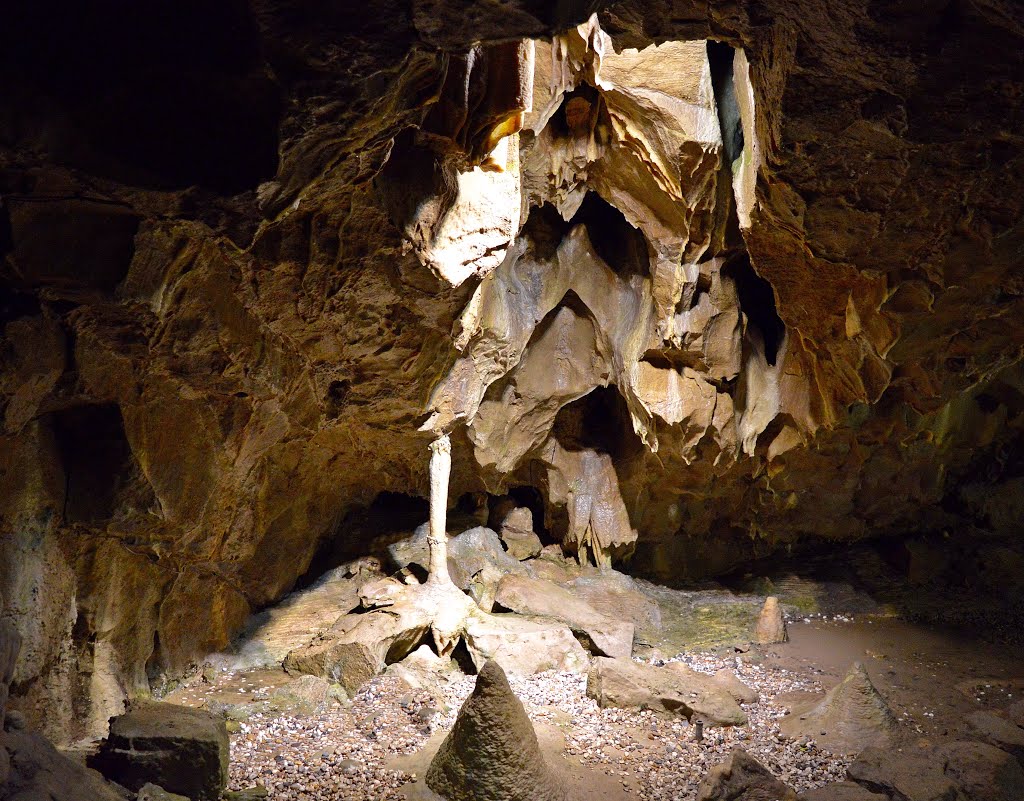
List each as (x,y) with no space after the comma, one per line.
(717,300)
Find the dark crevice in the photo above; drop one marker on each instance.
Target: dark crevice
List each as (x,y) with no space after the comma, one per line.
(720,59)
(545,229)
(390,516)
(96,459)
(580,110)
(621,246)
(165,95)
(757,302)
(598,421)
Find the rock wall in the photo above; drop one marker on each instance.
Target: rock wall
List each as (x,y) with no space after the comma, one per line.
(707,301)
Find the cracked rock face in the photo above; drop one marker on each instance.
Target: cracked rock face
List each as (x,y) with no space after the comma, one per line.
(703,281)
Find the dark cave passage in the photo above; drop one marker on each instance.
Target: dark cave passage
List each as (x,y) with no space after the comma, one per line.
(598,421)
(757,302)
(96,459)
(621,246)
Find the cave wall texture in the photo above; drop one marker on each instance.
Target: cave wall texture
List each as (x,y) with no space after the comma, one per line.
(230,316)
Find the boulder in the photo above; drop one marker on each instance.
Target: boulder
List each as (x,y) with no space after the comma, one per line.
(271,634)
(306,695)
(742,778)
(983,772)
(1015,712)
(412,550)
(521,541)
(39,772)
(841,791)
(380,592)
(181,749)
(730,682)
(523,646)
(674,690)
(358,647)
(492,753)
(154,792)
(771,627)
(998,731)
(910,774)
(530,596)
(851,716)
(475,550)
(469,553)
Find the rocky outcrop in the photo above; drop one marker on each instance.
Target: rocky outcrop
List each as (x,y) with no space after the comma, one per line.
(742,778)
(703,300)
(527,596)
(491,753)
(181,749)
(673,690)
(998,731)
(521,541)
(38,770)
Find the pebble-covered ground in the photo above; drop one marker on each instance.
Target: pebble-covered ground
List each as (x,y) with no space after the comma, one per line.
(343,753)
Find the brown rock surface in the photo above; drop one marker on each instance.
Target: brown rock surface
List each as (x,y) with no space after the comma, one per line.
(181,749)
(38,770)
(528,596)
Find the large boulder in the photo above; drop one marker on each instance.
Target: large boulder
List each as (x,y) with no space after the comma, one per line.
(730,682)
(358,646)
(271,634)
(38,772)
(983,772)
(521,541)
(523,646)
(742,778)
(473,551)
(491,753)
(476,550)
(912,774)
(851,716)
(530,596)
(998,731)
(181,749)
(841,791)
(673,689)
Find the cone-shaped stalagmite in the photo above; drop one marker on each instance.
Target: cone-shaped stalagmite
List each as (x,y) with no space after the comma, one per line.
(491,754)
(770,625)
(851,717)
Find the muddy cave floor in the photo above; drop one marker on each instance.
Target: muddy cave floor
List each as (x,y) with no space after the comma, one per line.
(377,744)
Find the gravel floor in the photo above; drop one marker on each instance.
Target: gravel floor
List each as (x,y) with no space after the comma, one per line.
(342,753)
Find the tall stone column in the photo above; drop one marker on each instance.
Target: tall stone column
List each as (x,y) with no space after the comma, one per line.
(437,535)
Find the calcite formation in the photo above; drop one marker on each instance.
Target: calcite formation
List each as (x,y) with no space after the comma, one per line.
(492,751)
(696,280)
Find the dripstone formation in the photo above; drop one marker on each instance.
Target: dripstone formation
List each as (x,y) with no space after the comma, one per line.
(492,754)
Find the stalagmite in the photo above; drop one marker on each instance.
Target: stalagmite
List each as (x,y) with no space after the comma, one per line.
(437,536)
(771,625)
